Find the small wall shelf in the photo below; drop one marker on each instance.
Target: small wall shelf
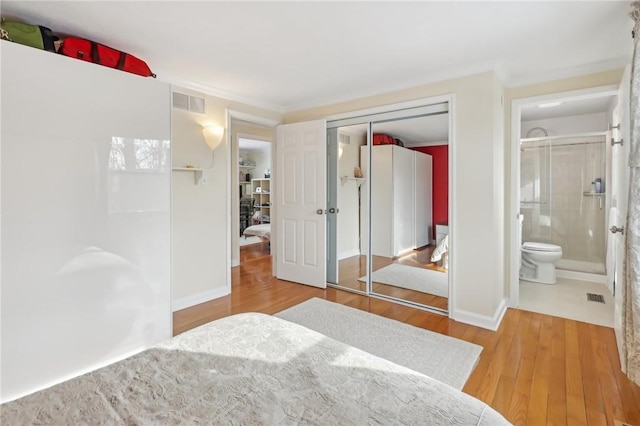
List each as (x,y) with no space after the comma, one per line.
(345,179)
(198,174)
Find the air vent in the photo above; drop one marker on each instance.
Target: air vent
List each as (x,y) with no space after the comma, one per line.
(181,101)
(188,103)
(196,104)
(344,139)
(591,297)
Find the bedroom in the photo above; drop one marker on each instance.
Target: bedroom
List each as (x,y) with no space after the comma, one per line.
(200,234)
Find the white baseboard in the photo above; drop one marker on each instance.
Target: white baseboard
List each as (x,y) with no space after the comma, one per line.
(350,253)
(581,276)
(483,321)
(196,299)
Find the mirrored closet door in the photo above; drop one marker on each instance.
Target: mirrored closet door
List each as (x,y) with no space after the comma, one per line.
(390,181)
(347,257)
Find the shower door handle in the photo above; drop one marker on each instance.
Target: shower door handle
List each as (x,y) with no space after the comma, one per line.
(614,229)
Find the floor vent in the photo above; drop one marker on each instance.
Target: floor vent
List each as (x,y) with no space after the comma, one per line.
(591,297)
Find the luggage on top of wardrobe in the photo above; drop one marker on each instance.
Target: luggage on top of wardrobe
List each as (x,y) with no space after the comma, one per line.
(30,35)
(382,139)
(90,51)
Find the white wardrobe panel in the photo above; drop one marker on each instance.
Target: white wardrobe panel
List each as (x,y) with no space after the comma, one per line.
(403,200)
(401,208)
(85,217)
(381,174)
(423,191)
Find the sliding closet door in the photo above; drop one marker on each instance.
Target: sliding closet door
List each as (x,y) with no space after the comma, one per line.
(85,217)
(390,185)
(401,213)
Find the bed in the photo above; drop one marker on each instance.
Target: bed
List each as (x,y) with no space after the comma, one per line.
(262,230)
(251,369)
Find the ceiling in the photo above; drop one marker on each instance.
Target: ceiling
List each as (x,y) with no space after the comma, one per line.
(293,55)
(570,108)
(253,145)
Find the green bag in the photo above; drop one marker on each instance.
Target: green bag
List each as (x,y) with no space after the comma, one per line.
(29,35)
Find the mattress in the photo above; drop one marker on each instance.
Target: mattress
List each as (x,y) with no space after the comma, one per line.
(251,369)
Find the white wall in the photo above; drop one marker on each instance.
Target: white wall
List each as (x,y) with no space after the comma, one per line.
(348,201)
(263,161)
(85,217)
(200,247)
(571,125)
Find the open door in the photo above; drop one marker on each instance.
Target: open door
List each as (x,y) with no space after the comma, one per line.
(301,151)
(619,197)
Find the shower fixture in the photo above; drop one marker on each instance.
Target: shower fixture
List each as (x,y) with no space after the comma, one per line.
(537,128)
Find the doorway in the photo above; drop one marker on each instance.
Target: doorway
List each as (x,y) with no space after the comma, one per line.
(561,170)
(250,162)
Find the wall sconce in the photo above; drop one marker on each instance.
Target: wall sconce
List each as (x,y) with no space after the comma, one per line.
(213,135)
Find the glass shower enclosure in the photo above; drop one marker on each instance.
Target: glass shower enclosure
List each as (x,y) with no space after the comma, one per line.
(563,198)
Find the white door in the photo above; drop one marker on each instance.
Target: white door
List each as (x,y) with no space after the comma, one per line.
(619,194)
(301,204)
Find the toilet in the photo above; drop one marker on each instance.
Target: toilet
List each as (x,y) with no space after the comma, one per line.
(538,262)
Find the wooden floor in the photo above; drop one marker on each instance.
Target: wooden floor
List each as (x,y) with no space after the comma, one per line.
(535,370)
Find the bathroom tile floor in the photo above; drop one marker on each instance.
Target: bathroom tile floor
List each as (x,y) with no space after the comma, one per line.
(568,299)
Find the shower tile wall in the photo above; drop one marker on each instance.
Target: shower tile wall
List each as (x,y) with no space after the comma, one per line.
(565,216)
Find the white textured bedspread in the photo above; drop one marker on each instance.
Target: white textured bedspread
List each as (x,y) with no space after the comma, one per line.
(251,369)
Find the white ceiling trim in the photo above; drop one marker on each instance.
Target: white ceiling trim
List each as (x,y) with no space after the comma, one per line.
(610,65)
(255,119)
(220,93)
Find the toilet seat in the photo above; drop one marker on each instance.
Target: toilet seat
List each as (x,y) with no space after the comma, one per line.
(542,247)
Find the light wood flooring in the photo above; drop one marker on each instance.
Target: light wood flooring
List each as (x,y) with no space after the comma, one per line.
(535,370)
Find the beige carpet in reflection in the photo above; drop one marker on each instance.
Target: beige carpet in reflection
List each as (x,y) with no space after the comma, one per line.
(413,278)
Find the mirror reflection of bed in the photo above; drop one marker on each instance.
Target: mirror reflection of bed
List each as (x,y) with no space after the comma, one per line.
(409,203)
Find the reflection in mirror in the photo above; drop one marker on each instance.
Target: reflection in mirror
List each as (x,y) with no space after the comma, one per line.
(346,256)
(409,209)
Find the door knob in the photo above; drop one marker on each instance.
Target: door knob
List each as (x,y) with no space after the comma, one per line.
(614,229)
(332,210)
(320,211)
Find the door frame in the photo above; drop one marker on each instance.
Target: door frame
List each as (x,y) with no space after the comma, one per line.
(254,119)
(449,98)
(514,193)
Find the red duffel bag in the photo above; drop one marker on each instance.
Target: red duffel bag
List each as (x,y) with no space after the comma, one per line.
(90,51)
(382,139)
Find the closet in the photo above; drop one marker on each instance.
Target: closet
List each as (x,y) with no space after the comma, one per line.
(86,225)
(401,207)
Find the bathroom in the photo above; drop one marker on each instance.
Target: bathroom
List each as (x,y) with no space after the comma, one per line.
(565,167)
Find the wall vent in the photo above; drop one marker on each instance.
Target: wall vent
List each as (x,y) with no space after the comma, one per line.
(344,139)
(181,101)
(591,297)
(196,104)
(188,103)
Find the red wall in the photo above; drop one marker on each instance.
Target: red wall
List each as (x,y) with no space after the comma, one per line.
(440,156)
